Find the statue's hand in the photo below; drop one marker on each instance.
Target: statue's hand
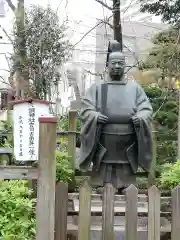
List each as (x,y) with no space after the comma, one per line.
(102,118)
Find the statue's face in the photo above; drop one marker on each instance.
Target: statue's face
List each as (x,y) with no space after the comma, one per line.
(116,65)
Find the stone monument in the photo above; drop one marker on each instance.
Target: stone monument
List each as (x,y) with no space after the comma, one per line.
(116,132)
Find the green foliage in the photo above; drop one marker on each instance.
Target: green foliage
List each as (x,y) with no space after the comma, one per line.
(165,107)
(62,144)
(17,213)
(17,220)
(5,128)
(64,171)
(6,139)
(170,176)
(168,10)
(46,48)
(63,126)
(165,54)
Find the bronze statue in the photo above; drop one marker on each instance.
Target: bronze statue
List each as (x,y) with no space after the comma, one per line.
(116,132)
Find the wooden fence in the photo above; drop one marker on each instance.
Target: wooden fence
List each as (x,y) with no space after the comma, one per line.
(83,229)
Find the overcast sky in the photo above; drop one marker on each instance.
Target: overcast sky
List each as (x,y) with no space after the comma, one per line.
(79,12)
(82,16)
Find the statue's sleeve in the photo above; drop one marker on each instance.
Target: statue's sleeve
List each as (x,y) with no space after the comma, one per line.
(144,108)
(89,117)
(144,131)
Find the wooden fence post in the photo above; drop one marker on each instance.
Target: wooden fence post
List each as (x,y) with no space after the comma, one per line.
(175,232)
(46,179)
(154,213)
(61,210)
(84,212)
(131,213)
(108,213)
(72,138)
(152,172)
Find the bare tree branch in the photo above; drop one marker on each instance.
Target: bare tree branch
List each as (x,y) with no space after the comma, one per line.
(104,4)
(165,97)
(11,5)
(87,34)
(8,61)
(106,21)
(101,21)
(3,81)
(3,69)
(7,35)
(94,74)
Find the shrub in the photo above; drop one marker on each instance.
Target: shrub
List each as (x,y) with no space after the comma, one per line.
(165,108)
(170,176)
(17,214)
(64,171)
(6,141)
(62,144)
(17,220)
(63,126)
(63,123)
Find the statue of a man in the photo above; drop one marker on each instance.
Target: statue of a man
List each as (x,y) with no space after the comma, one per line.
(116,133)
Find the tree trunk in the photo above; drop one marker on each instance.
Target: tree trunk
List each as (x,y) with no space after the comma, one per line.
(21,42)
(20,54)
(117,22)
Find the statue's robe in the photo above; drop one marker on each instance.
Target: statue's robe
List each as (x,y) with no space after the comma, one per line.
(117,148)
